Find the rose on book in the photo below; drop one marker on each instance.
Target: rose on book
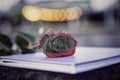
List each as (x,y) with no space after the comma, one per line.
(57,44)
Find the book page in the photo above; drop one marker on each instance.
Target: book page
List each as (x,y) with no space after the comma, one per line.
(82,55)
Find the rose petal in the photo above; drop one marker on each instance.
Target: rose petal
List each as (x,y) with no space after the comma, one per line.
(50,31)
(60,32)
(54,55)
(42,40)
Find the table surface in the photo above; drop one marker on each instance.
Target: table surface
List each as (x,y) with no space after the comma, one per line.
(107,73)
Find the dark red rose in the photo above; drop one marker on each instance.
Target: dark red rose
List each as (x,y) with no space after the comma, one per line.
(57,44)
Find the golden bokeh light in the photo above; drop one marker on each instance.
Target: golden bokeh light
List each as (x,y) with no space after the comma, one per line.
(33,13)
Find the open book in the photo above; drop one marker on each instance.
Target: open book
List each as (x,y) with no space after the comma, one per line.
(85,59)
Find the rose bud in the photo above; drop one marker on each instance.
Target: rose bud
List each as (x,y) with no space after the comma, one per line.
(57,44)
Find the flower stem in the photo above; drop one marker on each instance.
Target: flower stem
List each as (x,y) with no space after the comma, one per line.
(34,46)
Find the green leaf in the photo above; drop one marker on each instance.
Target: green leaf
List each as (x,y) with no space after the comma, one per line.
(22,42)
(28,37)
(4,52)
(26,51)
(5,41)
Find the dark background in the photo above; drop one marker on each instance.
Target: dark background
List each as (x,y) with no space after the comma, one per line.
(98,26)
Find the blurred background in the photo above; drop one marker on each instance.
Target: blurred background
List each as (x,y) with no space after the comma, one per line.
(99,25)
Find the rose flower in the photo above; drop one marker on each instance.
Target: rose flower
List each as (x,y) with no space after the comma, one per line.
(57,44)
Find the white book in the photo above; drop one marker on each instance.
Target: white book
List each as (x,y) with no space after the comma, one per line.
(85,59)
